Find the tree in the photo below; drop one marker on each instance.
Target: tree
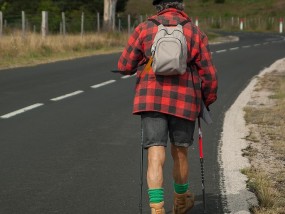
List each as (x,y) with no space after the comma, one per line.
(109,14)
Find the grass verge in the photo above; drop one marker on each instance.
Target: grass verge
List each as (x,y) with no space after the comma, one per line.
(17,50)
(265,117)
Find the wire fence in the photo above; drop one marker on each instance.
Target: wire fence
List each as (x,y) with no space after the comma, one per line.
(61,23)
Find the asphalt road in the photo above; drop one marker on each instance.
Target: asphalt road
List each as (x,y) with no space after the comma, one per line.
(70,145)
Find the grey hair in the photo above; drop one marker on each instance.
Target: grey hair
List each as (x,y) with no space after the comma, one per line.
(162,6)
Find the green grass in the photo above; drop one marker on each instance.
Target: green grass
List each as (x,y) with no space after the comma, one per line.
(207,8)
(258,15)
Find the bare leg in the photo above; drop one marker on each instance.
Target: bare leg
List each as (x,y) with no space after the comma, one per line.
(180,164)
(156,159)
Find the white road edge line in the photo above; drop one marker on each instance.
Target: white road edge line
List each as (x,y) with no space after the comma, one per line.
(103,84)
(236,48)
(256,45)
(246,46)
(20,111)
(221,51)
(66,96)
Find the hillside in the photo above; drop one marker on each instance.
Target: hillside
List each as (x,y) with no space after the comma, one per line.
(207,8)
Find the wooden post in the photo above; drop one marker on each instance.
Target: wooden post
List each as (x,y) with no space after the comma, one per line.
(113,21)
(129,24)
(34,29)
(60,28)
(44,23)
(82,24)
(63,24)
(98,22)
(23,23)
(1,23)
(119,25)
(141,18)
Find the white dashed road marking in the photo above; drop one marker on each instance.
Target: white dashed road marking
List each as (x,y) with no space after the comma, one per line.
(6,116)
(66,96)
(126,77)
(221,51)
(20,111)
(103,84)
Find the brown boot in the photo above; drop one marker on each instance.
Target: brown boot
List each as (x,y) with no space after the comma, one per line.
(157,208)
(183,202)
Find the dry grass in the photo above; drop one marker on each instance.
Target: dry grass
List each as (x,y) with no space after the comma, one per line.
(32,48)
(266,150)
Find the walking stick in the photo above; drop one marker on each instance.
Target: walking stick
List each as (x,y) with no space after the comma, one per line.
(202,163)
(141,172)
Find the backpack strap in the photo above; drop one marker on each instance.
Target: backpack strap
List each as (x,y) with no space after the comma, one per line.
(155,21)
(158,23)
(184,22)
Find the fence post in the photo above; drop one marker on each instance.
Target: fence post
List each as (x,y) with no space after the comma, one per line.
(44,23)
(23,23)
(82,24)
(197,21)
(129,24)
(119,25)
(1,23)
(98,22)
(60,28)
(281,25)
(241,24)
(113,18)
(63,23)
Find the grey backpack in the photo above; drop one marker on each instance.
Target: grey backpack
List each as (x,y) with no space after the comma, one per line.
(169,50)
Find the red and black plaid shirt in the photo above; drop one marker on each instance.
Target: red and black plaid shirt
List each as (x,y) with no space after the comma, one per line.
(178,95)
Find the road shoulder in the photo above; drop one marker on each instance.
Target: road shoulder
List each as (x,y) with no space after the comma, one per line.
(239,199)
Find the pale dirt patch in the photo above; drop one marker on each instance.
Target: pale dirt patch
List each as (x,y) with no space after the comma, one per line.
(265,158)
(233,142)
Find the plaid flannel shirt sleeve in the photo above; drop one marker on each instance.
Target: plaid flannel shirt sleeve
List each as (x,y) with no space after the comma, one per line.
(207,72)
(132,55)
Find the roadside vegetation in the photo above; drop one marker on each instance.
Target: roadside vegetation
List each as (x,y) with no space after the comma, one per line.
(265,117)
(210,8)
(214,15)
(19,50)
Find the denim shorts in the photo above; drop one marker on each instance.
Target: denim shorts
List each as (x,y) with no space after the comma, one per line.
(157,126)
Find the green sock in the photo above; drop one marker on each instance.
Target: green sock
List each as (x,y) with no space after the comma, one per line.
(181,188)
(156,195)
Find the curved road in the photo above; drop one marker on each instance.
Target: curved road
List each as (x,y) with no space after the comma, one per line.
(70,145)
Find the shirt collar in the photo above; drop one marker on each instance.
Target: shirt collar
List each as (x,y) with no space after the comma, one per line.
(173,10)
